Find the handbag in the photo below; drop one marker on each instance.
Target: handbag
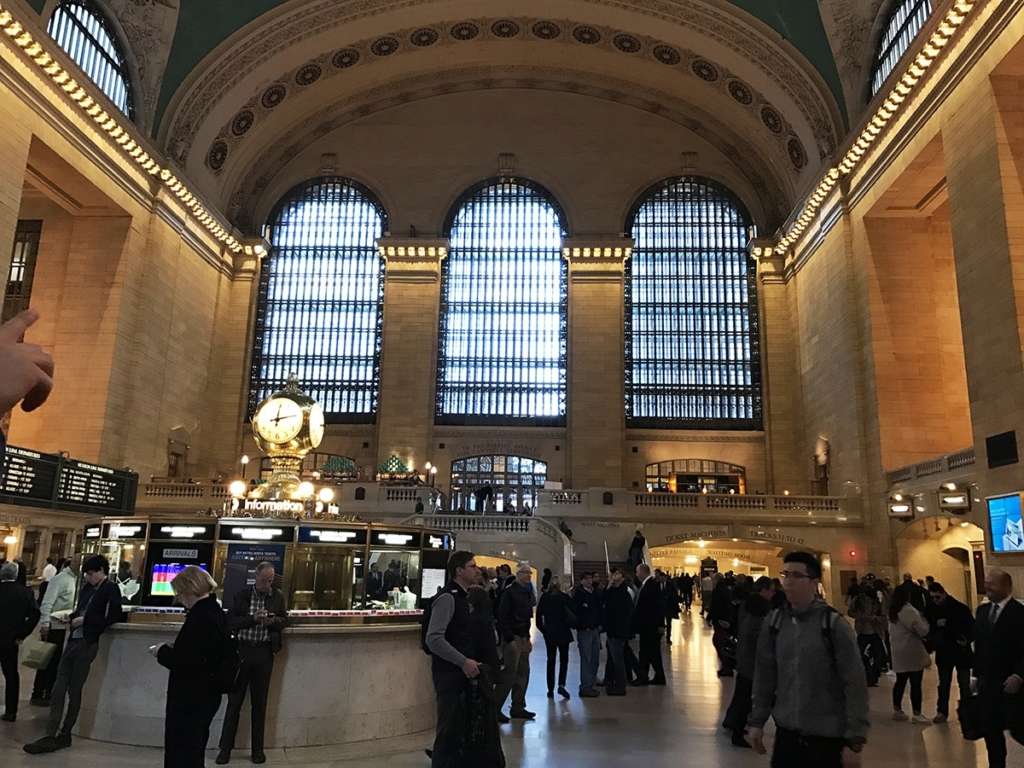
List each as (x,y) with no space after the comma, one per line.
(35,653)
(969,714)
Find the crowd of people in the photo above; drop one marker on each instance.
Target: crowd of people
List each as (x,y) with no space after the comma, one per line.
(796,659)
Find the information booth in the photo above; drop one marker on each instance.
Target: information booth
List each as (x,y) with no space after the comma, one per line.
(172,546)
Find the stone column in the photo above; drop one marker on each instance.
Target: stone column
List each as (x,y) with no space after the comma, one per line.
(408,357)
(596,354)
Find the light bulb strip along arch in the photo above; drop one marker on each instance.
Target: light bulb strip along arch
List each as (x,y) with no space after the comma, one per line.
(944,33)
(36,52)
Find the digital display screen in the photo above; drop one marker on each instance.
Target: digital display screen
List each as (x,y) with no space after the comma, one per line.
(160,581)
(51,480)
(1005,524)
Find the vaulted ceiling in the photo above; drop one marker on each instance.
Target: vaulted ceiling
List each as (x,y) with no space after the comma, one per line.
(233,91)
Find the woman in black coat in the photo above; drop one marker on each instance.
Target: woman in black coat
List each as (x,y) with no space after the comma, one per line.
(192,700)
(554,620)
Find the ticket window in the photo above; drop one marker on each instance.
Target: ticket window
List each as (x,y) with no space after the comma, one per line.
(327,578)
(393,568)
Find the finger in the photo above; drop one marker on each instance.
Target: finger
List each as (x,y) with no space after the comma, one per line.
(38,394)
(42,360)
(14,329)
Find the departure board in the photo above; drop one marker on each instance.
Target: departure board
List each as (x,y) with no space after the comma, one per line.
(52,480)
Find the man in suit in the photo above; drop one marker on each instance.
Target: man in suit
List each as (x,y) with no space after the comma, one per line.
(999,663)
(648,621)
(258,615)
(18,617)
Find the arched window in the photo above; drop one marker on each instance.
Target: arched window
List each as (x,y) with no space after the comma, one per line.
(321,299)
(505,484)
(501,350)
(905,21)
(82,29)
(692,357)
(696,476)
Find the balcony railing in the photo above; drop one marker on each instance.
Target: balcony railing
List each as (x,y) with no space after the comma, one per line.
(950,463)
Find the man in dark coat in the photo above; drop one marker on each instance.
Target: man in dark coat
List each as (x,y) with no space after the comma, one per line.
(617,617)
(952,629)
(720,614)
(917,595)
(670,601)
(19,615)
(648,621)
(258,615)
(999,664)
(685,586)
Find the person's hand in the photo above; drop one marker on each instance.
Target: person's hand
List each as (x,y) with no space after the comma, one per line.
(851,759)
(1012,684)
(43,632)
(77,622)
(27,370)
(755,738)
(154,650)
(529,644)
(470,668)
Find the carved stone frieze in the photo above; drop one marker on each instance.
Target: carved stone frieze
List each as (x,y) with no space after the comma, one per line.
(754,162)
(850,27)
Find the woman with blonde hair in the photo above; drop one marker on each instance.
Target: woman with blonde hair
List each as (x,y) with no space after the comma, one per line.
(193,659)
(555,620)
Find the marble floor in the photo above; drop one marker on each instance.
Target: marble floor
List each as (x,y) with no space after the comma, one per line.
(651,727)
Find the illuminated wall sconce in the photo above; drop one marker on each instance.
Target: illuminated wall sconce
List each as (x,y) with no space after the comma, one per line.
(954,498)
(900,506)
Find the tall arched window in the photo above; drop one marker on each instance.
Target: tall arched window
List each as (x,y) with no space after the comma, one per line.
(82,29)
(501,350)
(321,299)
(692,357)
(905,21)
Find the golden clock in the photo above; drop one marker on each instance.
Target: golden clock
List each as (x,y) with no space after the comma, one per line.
(287,425)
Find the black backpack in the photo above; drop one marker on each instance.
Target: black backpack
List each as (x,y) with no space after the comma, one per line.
(425,625)
(227,668)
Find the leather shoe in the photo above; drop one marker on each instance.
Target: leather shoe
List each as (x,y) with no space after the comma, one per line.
(640,682)
(8,718)
(62,740)
(39,701)
(659,681)
(523,714)
(41,746)
(259,758)
(503,718)
(223,757)
(563,693)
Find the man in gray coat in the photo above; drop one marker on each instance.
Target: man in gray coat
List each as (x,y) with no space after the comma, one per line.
(809,678)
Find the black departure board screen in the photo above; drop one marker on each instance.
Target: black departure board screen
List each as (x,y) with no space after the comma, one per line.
(51,480)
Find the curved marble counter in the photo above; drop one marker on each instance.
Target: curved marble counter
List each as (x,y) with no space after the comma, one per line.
(331,685)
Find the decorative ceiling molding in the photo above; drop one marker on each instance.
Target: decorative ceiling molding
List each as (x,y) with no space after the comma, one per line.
(753,162)
(325,68)
(243,53)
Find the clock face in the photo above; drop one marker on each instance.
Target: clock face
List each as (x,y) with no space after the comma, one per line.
(278,420)
(316,424)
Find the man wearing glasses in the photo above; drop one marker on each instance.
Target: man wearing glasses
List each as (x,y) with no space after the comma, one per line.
(809,677)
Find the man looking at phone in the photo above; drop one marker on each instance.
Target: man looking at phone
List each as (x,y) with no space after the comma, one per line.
(258,615)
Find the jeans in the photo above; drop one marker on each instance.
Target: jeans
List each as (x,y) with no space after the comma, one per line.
(254,677)
(794,750)
(562,651)
(589,643)
(12,680)
(914,678)
(946,667)
(516,675)
(617,663)
(71,676)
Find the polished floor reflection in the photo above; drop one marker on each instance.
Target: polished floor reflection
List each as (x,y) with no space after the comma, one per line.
(651,727)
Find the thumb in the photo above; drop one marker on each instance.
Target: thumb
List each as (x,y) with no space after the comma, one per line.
(13,330)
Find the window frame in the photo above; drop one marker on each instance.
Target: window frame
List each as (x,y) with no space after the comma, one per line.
(753,422)
(883,62)
(256,394)
(441,417)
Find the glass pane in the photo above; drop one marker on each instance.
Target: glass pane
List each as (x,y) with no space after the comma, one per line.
(905,22)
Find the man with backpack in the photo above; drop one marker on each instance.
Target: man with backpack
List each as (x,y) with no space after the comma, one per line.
(809,677)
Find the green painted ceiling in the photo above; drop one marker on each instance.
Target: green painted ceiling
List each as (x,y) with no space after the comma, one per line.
(204,24)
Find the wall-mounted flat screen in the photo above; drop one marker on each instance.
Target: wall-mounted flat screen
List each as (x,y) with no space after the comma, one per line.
(1005,524)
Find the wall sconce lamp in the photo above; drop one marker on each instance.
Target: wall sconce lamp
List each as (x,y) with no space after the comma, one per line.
(900,506)
(954,498)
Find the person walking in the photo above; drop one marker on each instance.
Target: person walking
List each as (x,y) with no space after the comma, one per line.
(670,603)
(19,615)
(907,631)
(648,622)
(751,616)
(258,616)
(809,678)
(450,642)
(515,614)
(722,618)
(99,606)
(587,607)
(193,659)
(869,622)
(685,586)
(59,598)
(707,586)
(951,630)
(636,549)
(999,663)
(617,615)
(555,619)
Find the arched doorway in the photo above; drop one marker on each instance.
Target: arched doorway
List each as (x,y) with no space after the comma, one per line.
(497,483)
(943,548)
